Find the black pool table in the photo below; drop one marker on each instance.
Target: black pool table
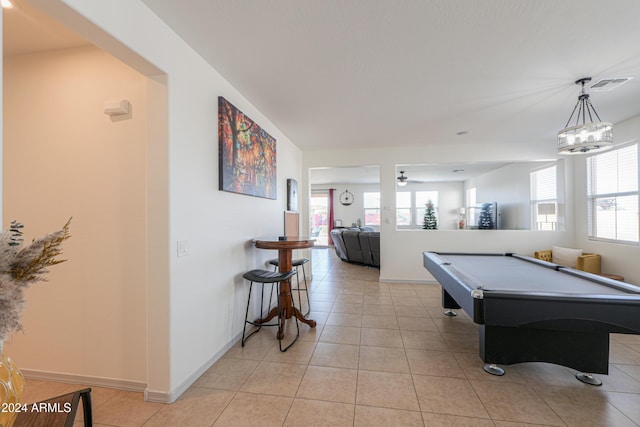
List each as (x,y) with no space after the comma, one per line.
(535,311)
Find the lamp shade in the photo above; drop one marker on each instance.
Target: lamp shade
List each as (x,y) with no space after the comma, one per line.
(546,208)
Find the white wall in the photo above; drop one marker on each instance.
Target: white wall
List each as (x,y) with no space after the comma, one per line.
(401,250)
(616,258)
(195,303)
(450,199)
(64,157)
(509,186)
(352,213)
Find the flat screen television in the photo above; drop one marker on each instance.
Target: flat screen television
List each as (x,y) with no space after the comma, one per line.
(483,216)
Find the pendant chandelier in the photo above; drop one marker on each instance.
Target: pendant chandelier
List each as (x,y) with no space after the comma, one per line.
(589,136)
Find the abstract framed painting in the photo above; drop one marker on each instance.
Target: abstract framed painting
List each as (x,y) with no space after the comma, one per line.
(246,154)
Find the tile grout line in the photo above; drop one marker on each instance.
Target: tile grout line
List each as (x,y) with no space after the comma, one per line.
(415,391)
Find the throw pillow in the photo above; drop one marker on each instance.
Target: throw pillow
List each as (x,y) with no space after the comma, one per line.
(565,256)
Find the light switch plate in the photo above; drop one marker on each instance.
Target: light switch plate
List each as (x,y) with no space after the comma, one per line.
(183,248)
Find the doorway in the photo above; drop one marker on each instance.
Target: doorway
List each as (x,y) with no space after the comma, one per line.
(319,217)
(82,162)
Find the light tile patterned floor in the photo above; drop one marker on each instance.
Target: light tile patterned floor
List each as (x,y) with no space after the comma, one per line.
(383,354)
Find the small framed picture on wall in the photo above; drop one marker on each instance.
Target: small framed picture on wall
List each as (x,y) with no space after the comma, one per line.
(292,195)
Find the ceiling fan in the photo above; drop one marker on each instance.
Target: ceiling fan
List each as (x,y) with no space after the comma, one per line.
(402,180)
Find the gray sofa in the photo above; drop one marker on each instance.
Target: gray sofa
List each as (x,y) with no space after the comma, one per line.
(357,245)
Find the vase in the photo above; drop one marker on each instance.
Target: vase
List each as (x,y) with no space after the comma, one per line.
(11,387)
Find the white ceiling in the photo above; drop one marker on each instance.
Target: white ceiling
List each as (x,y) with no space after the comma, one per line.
(27,30)
(345,175)
(382,73)
(415,173)
(447,172)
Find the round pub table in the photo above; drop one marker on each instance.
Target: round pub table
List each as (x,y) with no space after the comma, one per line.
(285,247)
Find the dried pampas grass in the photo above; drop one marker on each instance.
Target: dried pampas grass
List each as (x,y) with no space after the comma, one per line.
(22,265)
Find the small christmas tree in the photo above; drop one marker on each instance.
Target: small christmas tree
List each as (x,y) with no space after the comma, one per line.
(430,221)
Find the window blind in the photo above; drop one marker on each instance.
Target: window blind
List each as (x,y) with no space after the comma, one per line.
(544,210)
(612,195)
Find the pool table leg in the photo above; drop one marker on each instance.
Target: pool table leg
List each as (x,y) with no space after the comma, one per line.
(589,379)
(449,304)
(493,369)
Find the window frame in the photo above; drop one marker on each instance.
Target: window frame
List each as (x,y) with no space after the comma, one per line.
(535,202)
(408,208)
(592,197)
(415,220)
(365,208)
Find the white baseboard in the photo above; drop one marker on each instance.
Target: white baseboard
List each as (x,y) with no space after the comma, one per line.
(173,395)
(137,386)
(159,397)
(127,385)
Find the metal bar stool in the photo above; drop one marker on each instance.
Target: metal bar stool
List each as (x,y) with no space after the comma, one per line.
(264,277)
(297,263)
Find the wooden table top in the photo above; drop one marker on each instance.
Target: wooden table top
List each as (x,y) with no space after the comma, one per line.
(290,242)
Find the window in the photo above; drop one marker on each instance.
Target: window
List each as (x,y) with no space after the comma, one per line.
(371,208)
(403,208)
(411,205)
(612,195)
(470,196)
(544,199)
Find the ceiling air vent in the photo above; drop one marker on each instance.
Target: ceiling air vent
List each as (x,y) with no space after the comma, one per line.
(605,85)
